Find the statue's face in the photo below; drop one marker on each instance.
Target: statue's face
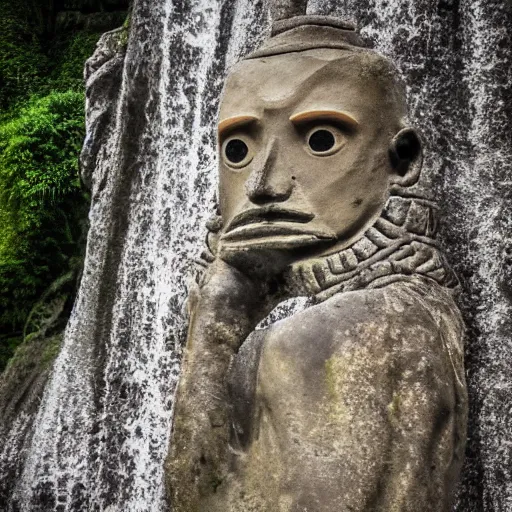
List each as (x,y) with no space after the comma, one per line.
(304,153)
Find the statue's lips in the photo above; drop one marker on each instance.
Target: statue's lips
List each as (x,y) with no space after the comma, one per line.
(271,225)
(273,229)
(270,213)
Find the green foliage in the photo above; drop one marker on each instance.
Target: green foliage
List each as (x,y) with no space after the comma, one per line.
(43,208)
(41,201)
(35,61)
(22,61)
(69,55)
(38,152)
(8,345)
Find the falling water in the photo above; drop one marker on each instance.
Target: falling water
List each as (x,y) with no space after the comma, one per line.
(102,430)
(101,433)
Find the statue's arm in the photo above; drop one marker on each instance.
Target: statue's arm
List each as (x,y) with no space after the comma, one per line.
(223,313)
(427,416)
(414,364)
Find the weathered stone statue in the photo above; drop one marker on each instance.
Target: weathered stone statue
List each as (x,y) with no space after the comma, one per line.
(357,403)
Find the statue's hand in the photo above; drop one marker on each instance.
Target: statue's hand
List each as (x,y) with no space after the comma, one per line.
(227,284)
(228,305)
(223,311)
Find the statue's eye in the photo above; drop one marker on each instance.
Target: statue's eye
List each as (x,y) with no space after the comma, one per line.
(324,140)
(236,152)
(321,141)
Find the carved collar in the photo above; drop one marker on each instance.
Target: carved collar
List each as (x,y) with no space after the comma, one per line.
(399,244)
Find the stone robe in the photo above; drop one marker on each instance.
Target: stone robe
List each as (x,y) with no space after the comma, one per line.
(356,404)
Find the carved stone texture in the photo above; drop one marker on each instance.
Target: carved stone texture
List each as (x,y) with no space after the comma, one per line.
(358,403)
(284,9)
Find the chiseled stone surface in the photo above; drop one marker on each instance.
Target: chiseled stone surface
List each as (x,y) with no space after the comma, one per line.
(359,402)
(100,434)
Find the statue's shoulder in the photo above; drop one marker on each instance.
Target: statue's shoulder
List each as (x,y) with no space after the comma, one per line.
(406,330)
(401,312)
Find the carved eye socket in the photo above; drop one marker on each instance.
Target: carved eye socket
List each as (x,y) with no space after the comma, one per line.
(324,140)
(236,152)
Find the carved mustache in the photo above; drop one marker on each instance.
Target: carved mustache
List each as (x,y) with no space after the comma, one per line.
(269,214)
(285,227)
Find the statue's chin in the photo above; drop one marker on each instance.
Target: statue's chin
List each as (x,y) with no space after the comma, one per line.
(259,263)
(269,256)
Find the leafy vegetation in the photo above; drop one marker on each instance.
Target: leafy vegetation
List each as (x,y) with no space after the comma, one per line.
(40,199)
(22,60)
(43,206)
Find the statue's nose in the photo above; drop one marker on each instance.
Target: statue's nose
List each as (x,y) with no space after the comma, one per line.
(270,180)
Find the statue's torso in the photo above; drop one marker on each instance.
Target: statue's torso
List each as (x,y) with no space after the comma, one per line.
(355,404)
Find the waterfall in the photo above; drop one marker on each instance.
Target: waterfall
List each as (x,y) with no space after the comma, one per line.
(487,183)
(100,435)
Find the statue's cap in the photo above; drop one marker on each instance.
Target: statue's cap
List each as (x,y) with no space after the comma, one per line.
(302,33)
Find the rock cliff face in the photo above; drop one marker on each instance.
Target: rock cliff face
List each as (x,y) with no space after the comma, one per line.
(100,434)
(95,15)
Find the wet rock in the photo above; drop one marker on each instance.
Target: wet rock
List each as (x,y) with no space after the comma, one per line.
(153,187)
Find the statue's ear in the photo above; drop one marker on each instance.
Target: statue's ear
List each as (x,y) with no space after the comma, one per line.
(406,156)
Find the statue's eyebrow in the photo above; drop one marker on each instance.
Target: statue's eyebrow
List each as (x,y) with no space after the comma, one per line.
(325,115)
(235,122)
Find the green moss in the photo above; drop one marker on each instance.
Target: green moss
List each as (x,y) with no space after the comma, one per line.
(124,34)
(394,409)
(51,350)
(123,38)
(128,21)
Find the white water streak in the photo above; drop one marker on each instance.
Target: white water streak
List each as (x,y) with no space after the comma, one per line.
(165,231)
(482,43)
